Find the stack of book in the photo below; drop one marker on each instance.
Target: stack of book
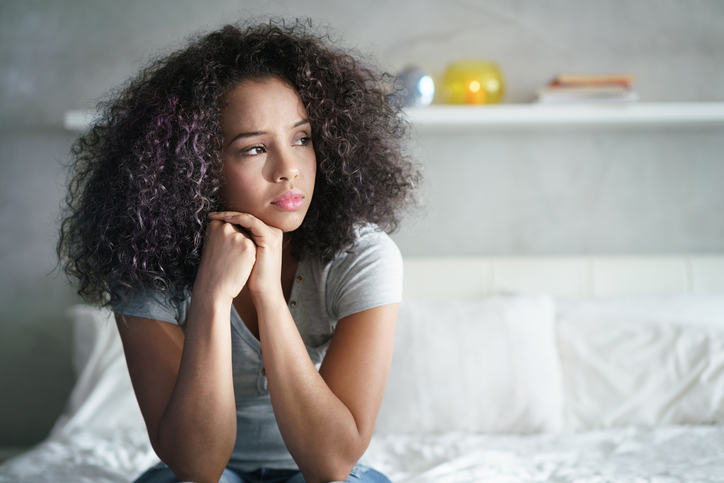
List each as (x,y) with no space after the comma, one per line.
(583,88)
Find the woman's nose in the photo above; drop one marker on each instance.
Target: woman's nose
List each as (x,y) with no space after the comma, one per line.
(285,166)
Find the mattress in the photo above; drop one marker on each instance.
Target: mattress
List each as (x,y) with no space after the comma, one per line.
(625,455)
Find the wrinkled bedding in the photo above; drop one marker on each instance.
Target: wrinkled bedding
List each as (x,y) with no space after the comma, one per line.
(82,457)
(624,455)
(635,383)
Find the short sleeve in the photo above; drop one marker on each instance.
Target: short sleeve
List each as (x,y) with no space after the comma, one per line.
(151,304)
(367,275)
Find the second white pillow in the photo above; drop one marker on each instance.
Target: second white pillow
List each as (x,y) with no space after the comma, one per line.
(488,365)
(642,361)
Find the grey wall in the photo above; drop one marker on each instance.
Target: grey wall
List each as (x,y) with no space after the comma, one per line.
(605,190)
(494,192)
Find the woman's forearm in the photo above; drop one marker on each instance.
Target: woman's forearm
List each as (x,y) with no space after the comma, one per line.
(319,431)
(197,432)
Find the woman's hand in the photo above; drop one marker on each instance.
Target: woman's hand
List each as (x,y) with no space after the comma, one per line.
(228,256)
(265,277)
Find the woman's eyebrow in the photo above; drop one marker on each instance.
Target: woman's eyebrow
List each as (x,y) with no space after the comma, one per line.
(243,135)
(303,121)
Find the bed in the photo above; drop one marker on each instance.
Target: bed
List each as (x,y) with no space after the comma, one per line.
(561,369)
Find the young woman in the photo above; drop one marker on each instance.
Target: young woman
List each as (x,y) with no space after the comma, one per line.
(230,207)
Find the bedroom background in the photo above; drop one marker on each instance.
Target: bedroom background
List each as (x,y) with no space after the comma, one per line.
(528,190)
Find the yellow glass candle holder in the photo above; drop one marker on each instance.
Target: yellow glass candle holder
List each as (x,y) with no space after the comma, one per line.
(473,82)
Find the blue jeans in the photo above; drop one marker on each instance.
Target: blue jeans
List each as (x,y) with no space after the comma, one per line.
(359,474)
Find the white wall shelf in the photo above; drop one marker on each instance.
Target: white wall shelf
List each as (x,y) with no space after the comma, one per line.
(512,115)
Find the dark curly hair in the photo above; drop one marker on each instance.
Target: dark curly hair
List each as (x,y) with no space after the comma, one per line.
(148,172)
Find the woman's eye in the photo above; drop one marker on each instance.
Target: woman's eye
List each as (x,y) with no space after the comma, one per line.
(253,151)
(303,141)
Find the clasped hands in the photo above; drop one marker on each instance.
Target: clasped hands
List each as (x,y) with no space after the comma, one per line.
(240,248)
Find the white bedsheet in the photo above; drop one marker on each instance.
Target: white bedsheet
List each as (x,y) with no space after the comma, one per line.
(625,455)
(83,456)
(101,439)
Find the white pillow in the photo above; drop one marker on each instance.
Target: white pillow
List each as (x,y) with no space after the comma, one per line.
(102,398)
(642,360)
(489,365)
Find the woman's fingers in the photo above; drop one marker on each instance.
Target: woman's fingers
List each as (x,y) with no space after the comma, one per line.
(245,220)
(258,229)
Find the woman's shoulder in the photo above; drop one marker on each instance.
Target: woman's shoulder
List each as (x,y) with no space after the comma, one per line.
(371,240)
(366,275)
(372,247)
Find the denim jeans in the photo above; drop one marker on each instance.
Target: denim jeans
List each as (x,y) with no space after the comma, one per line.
(359,474)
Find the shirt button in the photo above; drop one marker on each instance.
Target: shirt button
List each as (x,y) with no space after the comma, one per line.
(293,303)
(300,278)
(263,371)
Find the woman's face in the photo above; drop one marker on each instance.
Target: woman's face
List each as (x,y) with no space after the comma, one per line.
(268,158)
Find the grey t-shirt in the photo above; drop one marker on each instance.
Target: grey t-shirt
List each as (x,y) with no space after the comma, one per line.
(367,275)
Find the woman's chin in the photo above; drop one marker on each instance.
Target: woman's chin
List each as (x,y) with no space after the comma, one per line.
(286,224)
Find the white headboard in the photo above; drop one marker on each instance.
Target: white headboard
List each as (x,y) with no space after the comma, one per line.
(564,276)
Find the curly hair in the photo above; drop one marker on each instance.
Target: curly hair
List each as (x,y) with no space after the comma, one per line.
(146,175)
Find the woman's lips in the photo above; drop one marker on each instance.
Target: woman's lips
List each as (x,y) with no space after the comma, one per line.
(291,200)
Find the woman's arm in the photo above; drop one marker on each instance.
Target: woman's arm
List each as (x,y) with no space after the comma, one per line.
(184,384)
(185,391)
(326,418)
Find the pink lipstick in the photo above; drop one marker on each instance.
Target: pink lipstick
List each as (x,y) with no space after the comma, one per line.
(291,200)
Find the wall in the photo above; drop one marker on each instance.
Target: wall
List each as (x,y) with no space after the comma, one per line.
(499,192)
